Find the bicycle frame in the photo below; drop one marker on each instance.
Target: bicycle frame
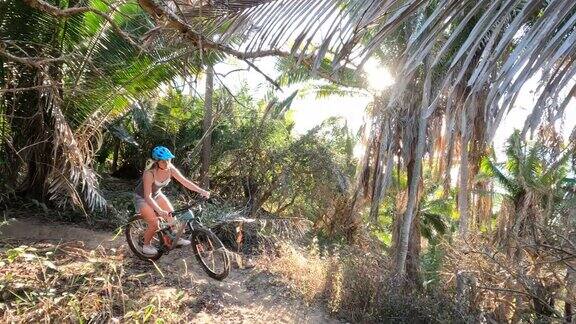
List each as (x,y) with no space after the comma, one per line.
(186,218)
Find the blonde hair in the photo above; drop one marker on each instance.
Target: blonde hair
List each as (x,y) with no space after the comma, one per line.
(150,163)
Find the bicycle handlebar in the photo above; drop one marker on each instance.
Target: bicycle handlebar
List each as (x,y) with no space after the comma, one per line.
(192,205)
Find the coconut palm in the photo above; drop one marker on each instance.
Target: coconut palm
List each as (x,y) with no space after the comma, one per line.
(507,34)
(487,51)
(535,183)
(538,195)
(67,76)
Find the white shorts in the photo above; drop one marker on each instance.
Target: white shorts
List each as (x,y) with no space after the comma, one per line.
(140,202)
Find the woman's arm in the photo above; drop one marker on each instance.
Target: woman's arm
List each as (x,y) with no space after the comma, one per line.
(147,185)
(187,183)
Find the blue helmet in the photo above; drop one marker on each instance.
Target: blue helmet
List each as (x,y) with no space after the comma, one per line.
(160,153)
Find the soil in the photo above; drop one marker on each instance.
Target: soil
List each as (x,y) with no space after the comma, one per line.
(246,296)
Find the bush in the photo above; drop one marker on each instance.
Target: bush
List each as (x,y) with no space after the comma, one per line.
(359,286)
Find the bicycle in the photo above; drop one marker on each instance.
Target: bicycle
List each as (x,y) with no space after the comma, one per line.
(206,245)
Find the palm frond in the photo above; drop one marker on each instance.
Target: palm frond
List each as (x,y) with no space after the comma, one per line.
(509,183)
(293,72)
(330,89)
(120,132)
(100,75)
(490,30)
(282,107)
(431,223)
(71,167)
(351,30)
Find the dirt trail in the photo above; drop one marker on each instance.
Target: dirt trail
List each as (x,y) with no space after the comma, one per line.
(35,230)
(240,298)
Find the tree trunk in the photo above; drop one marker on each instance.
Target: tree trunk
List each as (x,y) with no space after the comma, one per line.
(568,313)
(543,304)
(33,138)
(34,185)
(383,173)
(12,162)
(207,128)
(348,219)
(117,143)
(463,194)
(413,273)
(570,283)
(465,291)
(446,162)
(413,180)
(414,175)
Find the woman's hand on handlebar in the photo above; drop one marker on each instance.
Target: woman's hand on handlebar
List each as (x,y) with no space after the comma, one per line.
(164,214)
(205,194)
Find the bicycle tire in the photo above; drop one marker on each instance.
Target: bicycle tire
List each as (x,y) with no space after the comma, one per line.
(137,247)
(199,238)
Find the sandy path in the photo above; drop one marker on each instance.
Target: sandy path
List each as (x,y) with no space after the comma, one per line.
(34,231)
(237,299)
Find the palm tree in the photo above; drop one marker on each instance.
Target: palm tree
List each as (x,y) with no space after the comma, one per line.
(70,74)
(534,179)
(534,214)
(431,220)
(484,60)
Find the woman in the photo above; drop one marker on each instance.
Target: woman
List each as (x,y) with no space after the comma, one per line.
(150,201)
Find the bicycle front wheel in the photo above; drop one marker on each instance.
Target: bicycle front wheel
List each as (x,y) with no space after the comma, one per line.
(210,253)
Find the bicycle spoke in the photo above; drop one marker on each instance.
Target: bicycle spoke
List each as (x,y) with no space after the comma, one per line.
(137,230)
(214,261)
(207,253)
(212,255)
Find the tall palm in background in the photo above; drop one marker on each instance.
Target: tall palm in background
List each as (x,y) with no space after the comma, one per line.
(536,183)
(537,194)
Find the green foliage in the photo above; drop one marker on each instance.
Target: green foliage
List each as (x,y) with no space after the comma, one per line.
(431,262)
(102,71)
(435,209)
(256,160)
(537,166)
(97,75)
(292,72)
(173,120)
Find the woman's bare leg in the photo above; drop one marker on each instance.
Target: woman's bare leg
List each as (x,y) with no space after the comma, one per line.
(165,204)
(149,215)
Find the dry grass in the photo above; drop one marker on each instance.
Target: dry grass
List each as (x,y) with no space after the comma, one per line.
(507,288)
(66,283)
(305,273)
(357,286)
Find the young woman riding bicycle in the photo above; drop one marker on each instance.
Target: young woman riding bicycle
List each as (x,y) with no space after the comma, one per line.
(149,200)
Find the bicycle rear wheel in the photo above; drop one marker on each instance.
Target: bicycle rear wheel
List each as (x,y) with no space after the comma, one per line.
(134,232)
(210,253)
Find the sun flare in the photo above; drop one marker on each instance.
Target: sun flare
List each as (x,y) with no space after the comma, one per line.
(379,77)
